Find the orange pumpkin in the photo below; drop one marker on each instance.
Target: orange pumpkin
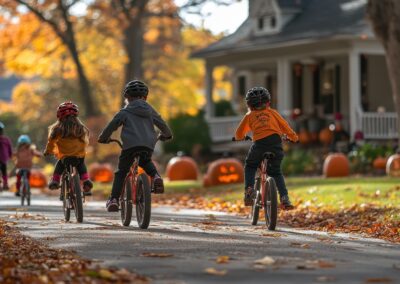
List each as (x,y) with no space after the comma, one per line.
(37,179)
(325,136)
(304,137)
(224,171)
(380,163)
(393,166)
(101,172)
(206,181)
(336,165)
(182,168)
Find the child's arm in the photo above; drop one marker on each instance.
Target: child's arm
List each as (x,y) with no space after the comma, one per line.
(113,125)
(50,147)
(285,127)
(243,128)
(161,124)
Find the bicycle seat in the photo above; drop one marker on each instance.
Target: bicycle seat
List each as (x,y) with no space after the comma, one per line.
(269,155)
(70,161)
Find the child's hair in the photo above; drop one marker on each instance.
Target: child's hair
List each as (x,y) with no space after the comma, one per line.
(69,126)
(23,145)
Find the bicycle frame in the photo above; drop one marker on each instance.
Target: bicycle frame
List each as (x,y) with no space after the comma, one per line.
(264,176)
(132,176)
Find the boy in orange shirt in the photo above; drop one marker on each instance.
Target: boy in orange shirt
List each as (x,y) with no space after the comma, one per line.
(267,126)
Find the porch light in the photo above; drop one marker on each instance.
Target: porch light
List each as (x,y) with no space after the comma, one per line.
(332,127)
(381,109)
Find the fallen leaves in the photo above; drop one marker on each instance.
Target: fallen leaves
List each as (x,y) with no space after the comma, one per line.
(213,271)
(273,235)
(265,261)
(154,254)
(24,260)
(299,245)
(222,259)
(378,280)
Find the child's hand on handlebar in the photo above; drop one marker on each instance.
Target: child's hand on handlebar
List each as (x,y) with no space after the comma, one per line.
(163,138)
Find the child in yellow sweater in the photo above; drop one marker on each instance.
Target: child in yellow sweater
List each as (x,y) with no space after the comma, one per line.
(267,127)
(68,137)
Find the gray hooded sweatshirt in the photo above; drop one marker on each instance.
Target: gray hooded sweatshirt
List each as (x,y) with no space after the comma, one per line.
(137,119)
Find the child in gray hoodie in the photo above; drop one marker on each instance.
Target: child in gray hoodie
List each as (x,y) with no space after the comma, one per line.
(137,119)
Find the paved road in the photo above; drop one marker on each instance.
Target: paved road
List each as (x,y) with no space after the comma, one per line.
(195,239)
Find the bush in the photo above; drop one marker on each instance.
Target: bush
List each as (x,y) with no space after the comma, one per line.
(223,108)
(298,162)
(362,158)
(188,131)
(12,124)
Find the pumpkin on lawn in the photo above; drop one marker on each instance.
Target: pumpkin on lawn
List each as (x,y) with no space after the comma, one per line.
(393,166)
(182,168)
(101,172)
(380,163)
(224,171)
(325,136)
(37,179)
(336,165)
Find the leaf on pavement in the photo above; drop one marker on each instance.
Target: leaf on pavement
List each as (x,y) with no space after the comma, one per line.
(305,267)
(265,261)
(300,245)
(325,264)
(325,279)
(379,280)
(222,259)
(273,235)
(106,274)
(214,271)
(154,254)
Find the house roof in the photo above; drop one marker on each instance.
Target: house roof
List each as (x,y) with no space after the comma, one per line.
(316,20)
(6,87)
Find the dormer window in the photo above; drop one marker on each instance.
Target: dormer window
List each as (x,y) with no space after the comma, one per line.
(267,24)
(260,23)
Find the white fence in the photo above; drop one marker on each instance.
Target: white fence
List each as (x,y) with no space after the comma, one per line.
(379,125)
(223,128)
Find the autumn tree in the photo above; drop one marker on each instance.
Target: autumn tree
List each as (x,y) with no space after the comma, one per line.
(385,18)
(56,14)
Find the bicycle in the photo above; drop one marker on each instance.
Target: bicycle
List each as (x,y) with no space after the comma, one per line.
(136,190)
(71,193)
(25,188)
(266,196)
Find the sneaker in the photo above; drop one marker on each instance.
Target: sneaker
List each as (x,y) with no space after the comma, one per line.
(249,196)
(285,203)
(112,205)
(158,184)
(87,187)
(53,185)
(17,193)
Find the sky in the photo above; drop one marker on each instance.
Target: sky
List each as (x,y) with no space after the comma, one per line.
(219,19)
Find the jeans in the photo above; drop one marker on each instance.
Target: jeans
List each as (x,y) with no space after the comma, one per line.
(254,158)
(125,162)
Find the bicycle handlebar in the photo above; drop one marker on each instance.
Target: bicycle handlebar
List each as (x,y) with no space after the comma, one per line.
(248,138)
(115,141)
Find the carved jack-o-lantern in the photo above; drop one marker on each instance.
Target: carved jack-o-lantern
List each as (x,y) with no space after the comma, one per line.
(37,179)
(101,172)
(182,168)
(393,166)
(224,171)
(336,165)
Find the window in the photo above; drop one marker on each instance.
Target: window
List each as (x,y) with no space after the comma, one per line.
(273,22)
(242,85)
(261,23)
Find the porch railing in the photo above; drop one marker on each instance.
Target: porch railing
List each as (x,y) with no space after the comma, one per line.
(379,125)
(223,128)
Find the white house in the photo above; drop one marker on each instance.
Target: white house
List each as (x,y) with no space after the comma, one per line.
(315,55)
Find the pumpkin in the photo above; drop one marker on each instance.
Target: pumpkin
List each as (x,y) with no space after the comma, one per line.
(101,172)
(325,136)
(393,166)
(336,165)
(379,163)
(182,168)
(37,179)
(206,181)
(304,137)
(224,171)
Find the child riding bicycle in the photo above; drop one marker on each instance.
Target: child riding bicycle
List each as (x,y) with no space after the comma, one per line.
(137,119)
(267,126)
(5,155)
(24,158)
(68,137)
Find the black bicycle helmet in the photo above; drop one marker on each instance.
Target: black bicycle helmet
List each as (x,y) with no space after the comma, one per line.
(136,88)
(257,97)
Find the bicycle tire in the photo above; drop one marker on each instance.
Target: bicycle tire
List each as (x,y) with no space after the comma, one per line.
(271,204)
(66,208)
(22,192)
(126,202)
(78,204)
(143,201)
(28,193)
(255,209)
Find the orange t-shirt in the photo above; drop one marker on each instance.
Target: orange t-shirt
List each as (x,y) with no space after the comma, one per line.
(264,123)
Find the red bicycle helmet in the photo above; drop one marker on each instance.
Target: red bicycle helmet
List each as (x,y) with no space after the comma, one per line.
(66,109)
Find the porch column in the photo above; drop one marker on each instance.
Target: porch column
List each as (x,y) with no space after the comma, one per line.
(209,90)
(354,91)
(284,92)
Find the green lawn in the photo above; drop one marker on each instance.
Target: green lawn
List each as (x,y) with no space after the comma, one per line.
(334,193)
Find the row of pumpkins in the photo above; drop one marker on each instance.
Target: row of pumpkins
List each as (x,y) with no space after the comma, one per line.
(224,171)
(325,136)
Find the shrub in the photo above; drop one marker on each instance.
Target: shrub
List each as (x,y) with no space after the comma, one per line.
(299,161)
(361,159)
(223,108)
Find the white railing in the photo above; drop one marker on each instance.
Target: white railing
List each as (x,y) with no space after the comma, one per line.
(223,128)
(377,125)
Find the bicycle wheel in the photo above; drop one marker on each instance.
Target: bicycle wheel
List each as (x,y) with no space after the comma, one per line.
(271,203)
(126,202)
(143,201)
(255,209)
(77,199)
(22,193)
(65,194)
(28,192)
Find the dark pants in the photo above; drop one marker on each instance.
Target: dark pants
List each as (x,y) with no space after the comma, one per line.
(80,167)
(272,144)
(125,162)
(3,169)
